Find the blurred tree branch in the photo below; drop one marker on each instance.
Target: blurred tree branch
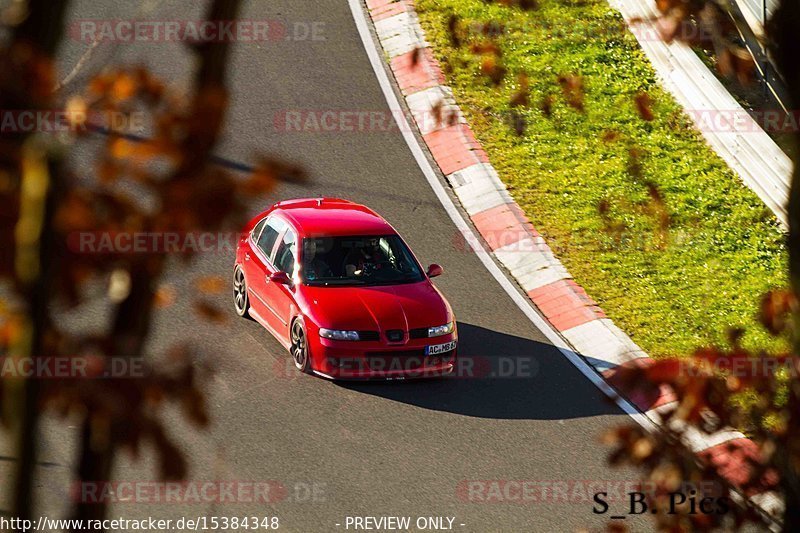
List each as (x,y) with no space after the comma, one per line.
(42,205)
(133,315)
(28,70)
(704,394)
(785,46)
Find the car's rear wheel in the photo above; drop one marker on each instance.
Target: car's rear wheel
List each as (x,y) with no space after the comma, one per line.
(241,302)
(299,347)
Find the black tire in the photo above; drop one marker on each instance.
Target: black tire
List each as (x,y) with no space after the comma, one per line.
(241,301)
(299,347)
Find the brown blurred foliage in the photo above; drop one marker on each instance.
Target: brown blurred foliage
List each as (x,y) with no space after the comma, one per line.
(711,394)
(704,385)
(165,182)
(719,388)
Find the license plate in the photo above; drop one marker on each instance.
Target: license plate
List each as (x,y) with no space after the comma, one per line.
(436,349)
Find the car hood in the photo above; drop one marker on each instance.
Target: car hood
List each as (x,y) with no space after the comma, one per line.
(406,306)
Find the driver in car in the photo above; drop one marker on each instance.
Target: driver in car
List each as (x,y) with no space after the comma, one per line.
(363,260)
(313,266)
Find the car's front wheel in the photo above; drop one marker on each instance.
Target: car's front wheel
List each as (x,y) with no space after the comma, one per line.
(241,302)
(299,347)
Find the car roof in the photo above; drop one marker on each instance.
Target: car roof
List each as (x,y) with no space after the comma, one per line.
(321,217)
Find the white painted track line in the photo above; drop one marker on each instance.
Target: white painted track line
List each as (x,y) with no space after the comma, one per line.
(424,164)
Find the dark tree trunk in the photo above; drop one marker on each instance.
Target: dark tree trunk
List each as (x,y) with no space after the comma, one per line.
(41,30)
(129,333)
(38,301)
(783,33)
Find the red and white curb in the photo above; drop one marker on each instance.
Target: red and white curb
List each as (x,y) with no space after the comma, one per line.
(515,243)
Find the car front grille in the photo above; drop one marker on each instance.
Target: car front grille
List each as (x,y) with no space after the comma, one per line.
(395,335)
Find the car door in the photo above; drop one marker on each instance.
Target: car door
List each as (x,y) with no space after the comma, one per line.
(281,296)
(257,264)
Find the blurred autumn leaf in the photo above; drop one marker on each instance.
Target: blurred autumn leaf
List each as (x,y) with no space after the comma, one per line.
(209,311)
(165,296)
(165,183)
(211,284)
(707,388)
(573,91)
(644,106)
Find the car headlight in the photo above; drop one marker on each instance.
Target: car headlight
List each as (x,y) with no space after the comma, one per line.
(441,330)
(338,334)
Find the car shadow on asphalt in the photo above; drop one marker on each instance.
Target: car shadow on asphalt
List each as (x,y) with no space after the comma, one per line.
(501,376)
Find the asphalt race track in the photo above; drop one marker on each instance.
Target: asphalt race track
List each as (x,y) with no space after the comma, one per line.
(399,449)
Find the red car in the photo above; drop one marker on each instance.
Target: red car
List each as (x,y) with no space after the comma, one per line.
(338,287)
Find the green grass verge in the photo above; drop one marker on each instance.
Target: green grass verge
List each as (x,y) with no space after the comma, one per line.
(724,248)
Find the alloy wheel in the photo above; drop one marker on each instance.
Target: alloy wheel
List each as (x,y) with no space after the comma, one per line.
(299,346)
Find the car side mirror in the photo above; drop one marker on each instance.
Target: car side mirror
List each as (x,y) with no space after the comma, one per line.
(280,277)
(435,270)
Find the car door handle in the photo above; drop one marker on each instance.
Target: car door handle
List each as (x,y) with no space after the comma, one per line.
(246,256)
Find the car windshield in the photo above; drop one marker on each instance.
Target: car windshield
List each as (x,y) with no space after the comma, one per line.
(366,260)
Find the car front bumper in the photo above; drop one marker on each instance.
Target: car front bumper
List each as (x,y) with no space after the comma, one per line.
(345,360)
